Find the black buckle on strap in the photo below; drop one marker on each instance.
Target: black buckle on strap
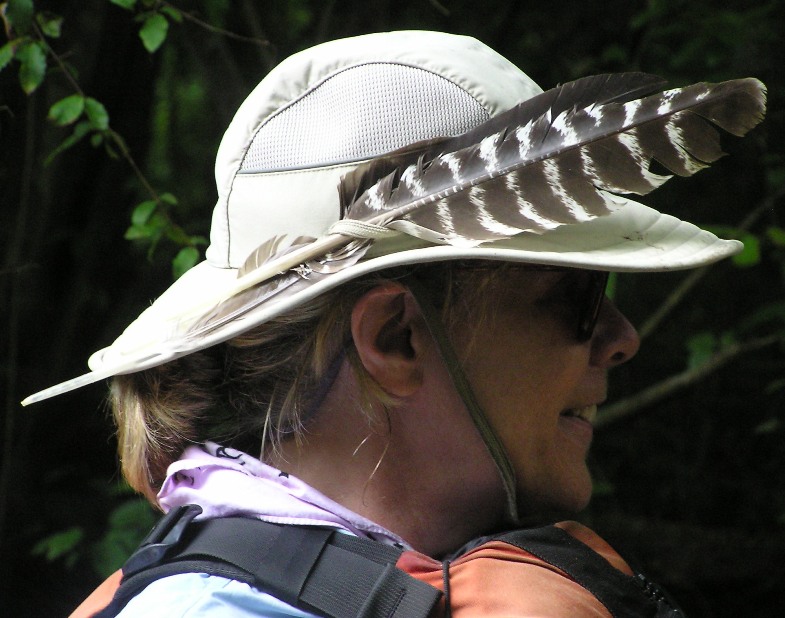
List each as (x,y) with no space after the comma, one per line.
(165,535)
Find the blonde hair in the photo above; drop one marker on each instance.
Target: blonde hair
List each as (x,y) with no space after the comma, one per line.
(259,388)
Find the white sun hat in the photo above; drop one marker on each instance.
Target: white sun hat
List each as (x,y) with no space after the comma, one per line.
(320,114)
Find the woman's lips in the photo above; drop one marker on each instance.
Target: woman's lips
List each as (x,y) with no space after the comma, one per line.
(577,422)
(587,413)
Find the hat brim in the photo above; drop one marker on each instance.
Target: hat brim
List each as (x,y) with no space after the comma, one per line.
(634,238)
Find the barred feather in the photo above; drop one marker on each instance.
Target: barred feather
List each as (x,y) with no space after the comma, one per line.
(593,90)
(535,174)
(555,159)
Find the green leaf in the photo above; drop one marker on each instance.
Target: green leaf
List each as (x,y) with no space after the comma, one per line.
(298,16)
(727,339)
(7,53)
(142,212)
(701,348)
(177,235)
(51,25)
(185,259)
(168,198)
(33,58)
(767,427)
(602,488)
(19,14)
(80,130)
(776,235)
(96,114)
(174,14)
(750,255)
(126,4)
(153,32)
(120,488)
(135,514)
(775,178)
(128,525)
(615,53)
(67,111)
(59,544)
(136,232)
(610,288)
(152,229)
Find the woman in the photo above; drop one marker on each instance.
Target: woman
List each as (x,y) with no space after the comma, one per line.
(420,379)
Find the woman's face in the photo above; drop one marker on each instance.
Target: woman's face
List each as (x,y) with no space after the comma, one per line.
(538,385)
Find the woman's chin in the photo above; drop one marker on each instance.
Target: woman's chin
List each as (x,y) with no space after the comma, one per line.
(572,498)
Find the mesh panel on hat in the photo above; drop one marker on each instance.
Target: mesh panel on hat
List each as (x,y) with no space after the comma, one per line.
(360,112)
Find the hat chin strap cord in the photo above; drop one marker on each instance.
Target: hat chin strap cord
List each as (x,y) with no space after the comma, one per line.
(492,442)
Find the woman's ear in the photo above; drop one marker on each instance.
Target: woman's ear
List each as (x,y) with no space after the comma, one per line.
(389,334)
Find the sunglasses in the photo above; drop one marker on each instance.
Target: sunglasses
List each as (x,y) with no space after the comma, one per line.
(587,291)
(590,302)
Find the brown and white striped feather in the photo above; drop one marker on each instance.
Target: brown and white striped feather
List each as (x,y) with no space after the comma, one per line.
(556,169)
(553,160)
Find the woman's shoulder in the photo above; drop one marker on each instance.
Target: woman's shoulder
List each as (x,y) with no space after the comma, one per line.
(198,595)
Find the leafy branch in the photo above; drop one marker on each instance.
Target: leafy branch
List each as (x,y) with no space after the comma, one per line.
(154,15)
(29,33)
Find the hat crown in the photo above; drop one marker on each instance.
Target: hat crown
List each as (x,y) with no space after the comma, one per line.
(320,112)
(360,112)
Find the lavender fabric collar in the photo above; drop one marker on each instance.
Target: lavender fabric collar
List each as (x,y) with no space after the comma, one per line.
(226,482)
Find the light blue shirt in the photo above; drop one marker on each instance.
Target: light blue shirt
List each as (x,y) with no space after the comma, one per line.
(196,595)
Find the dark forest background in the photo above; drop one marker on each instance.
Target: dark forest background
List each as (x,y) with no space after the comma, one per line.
(110,116)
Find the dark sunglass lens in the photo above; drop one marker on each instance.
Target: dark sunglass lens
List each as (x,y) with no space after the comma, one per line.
(591,304)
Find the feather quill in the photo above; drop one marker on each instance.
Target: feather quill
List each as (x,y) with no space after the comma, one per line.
(290,281)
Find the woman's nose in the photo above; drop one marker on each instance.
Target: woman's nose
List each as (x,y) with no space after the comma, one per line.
(615,340)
